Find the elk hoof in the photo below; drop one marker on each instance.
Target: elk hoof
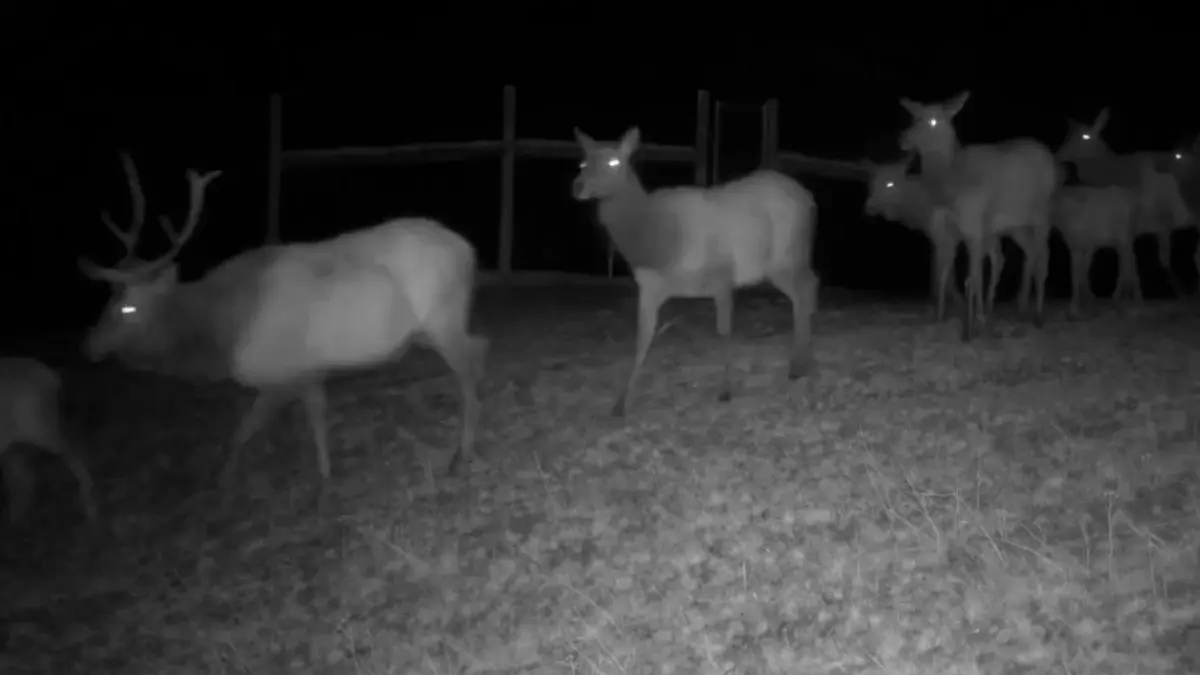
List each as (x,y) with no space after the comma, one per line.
(798,368)
(618,409)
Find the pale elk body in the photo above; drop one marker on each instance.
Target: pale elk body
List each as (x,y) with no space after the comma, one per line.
(1152,175)
(29,414)
(907,200)
(1091,218)
(990,190)
(279,319)
(704,242)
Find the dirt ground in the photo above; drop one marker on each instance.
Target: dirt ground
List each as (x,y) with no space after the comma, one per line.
(1025,503)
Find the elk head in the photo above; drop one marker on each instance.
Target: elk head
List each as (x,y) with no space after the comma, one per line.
(932,130)
(887,187)
(605,169)
(141,288)
(1084,140)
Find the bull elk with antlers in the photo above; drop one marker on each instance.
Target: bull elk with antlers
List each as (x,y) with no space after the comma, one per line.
(704,242)
(1153,176)
(280,318)
(990,190)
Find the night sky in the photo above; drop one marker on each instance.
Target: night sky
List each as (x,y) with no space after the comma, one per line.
(190,90)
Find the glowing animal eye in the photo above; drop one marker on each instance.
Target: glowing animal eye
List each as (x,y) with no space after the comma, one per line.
(933,122)
(1179,155)
(1087,137)
(128,309)
(583,164)
(891,184)
(614,162)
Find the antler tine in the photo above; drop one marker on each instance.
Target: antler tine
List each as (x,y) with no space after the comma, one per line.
(179,237)
(129,238)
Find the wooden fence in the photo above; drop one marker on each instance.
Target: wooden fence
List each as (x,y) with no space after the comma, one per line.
(508,148)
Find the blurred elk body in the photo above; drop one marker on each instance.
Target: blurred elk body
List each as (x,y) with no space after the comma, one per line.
(907,200)
(1153,175)
(29,414)
(990,190)
(704,242)
(1091,218)
(279,319)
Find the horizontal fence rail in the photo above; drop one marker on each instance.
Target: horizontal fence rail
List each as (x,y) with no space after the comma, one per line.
(509,148)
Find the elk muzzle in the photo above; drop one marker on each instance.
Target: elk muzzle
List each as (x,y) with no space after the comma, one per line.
(579,189)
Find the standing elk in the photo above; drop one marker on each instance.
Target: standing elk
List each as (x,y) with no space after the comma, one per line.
(280,318)
(1091,218)
(1162,208)
(990,190)
(896,196)
(30,414)
(704,242)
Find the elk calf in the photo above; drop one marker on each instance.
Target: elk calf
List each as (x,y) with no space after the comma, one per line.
(29,414)
(704,242)
(279,319)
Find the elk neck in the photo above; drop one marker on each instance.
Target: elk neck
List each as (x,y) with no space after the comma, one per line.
(1106,169)
(645,227)
(914,208)
(201,322)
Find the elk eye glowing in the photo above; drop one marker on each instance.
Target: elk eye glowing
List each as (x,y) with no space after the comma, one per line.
(1179,155)
(614,162)
(891,184)
(1087,137)
(128,309)
(933,122)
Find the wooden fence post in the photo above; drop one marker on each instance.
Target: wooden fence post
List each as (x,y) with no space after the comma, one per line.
(274,166)
(702,131)
(770,133)
(508,180)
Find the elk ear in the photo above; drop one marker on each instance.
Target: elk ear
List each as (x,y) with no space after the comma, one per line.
(955,104)
(630,141)
(1101,121)
(586,142)
(915,109)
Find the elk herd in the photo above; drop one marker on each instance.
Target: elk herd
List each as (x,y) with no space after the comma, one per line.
(979,194)
(279,319)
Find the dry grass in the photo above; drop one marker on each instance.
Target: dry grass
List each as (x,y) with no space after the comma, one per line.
(1026,504)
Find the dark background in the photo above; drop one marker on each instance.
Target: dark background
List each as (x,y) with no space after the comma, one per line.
(188,87)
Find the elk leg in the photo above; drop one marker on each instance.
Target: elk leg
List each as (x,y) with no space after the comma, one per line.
(465,354)
(800,286)
(723,299)
(265,404)
(19,483)
(1027,270)
(316,407)
(974,292)
(87,500)
(1164,259)
(1080,263)
(946,255)
(1040,246)
(996,260)
(650,299)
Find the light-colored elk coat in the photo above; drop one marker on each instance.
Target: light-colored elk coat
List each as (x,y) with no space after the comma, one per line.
(992,190)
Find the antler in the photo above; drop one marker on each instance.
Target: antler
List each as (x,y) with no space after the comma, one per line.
(178,237)
(137,218)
